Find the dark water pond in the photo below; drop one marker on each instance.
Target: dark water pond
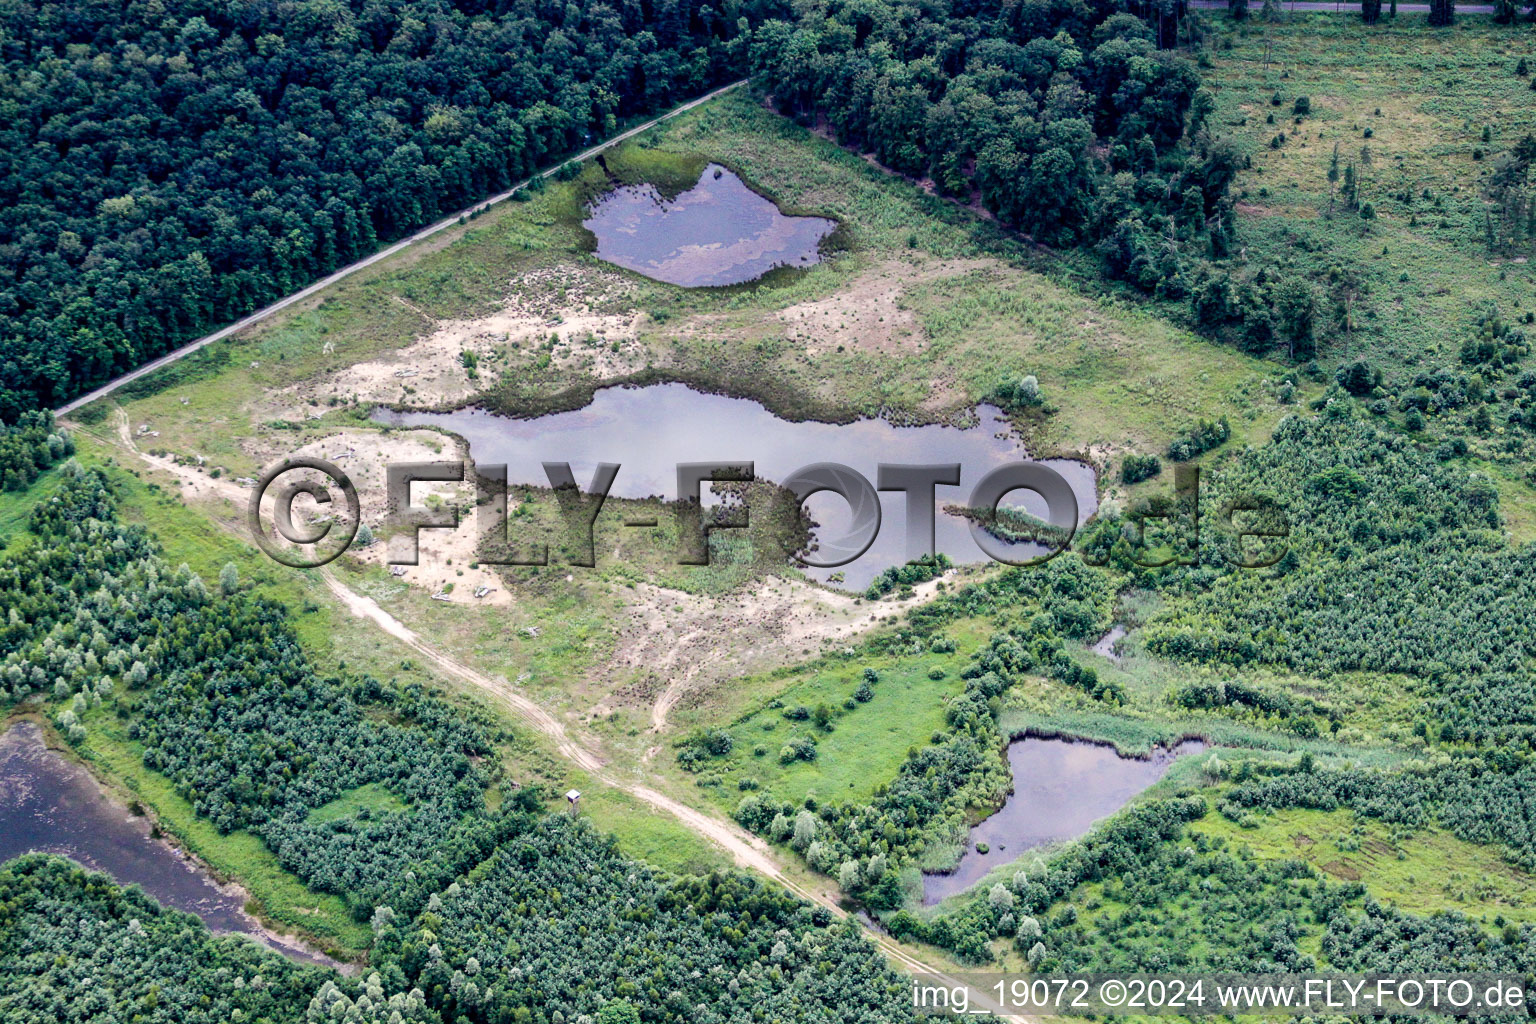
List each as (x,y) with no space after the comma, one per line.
(719,232)
(1060,788)
(1105,648)
(649,430)
(51,805)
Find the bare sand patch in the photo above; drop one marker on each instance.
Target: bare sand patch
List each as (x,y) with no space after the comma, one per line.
(677,649)
(870,314)
(446,558)
(578,316)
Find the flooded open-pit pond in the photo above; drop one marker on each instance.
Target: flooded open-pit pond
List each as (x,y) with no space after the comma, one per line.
(719,232)
(649,430)
(1061,788)
(51,805)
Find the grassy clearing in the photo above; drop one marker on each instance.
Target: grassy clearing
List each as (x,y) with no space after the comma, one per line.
(977,312)
(1409,107)
(1418,99)
(1422,872)
(16,507)
(372,796)
(867,742)
(651,835)
(275,895)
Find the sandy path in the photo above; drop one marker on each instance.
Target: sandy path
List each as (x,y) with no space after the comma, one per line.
(677,687)
(519,703)
(745,849)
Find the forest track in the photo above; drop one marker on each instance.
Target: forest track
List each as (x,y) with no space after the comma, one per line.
(367,261)
(745,849)
(520,704)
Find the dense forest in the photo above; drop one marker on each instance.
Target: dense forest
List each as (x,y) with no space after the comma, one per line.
(30,446)
(228,707)
(554,923)
(621,945)
(1009,103)
(74,946)
(1400,562)
(167,167)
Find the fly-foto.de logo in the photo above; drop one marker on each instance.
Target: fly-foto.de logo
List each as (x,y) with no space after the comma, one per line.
(318,538)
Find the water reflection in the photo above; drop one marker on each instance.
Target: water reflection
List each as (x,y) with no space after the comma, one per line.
(1107,645)
(719,232)
(649,430)
(51,805)
(1060,789)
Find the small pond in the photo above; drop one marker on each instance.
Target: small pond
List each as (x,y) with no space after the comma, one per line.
(1060,788)
(1106,646)
(719,232)
(51,805)
(649,430)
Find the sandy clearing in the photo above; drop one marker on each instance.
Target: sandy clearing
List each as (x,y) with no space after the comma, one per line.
(580,316)
(691,644)
(869,314)
(688,643)
(445,556)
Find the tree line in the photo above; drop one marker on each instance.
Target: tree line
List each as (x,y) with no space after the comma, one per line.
(479,914)
(172,166)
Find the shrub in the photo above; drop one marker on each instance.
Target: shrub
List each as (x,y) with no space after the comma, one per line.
(1137,468)
(1359,377)
(1018,392)
(1200,438)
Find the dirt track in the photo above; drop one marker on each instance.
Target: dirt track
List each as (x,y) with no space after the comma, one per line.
(745,849)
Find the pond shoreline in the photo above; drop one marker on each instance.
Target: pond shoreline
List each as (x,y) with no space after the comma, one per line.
(121,801)
(1080,788)
(651,431)
(1152,753)
(718,232)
